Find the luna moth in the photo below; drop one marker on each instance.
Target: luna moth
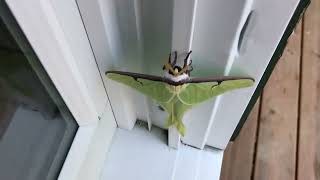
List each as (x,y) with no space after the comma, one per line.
(176,92)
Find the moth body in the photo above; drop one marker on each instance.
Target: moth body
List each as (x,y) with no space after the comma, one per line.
(178,78)
(175,89)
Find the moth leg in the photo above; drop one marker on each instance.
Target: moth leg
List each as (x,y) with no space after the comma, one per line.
(188,54)
(161,108)
(175,58)
(169,62)
(186,59)
(136,79)
(190,67)
(213,86)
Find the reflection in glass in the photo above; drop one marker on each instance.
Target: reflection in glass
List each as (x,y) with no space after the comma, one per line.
(36,128)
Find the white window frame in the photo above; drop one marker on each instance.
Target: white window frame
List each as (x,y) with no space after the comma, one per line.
(56,33)
(192,21)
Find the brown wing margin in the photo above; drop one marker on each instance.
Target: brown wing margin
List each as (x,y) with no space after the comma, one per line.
(173,83)
(137,76)
(216,79)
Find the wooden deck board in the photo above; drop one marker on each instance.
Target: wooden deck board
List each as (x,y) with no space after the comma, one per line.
(276,143)
(239,155)
(309,134)
(276,149)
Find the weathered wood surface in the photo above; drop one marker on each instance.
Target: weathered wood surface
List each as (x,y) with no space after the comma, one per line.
(309,134)
(238,161)
(273,157)
(277,138)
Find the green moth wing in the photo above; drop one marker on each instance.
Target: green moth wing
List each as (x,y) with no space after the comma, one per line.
(197,92)
(192,91)
(154,89)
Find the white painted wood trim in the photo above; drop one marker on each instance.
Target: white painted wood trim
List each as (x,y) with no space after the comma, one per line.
(56,33)
(102,26)
(77,153)
(233,54)
(262,37)
(184,13)
(89,149)
(182,33)
(47,38)
(149,157)
(173,137)
(211,28)
(216,31)
(98,148)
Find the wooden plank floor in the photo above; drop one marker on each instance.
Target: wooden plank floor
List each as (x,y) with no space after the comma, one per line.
(281,138)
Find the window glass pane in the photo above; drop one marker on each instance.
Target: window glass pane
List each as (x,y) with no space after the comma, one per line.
(36,127)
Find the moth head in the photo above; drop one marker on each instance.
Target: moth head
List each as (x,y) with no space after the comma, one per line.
(174,69)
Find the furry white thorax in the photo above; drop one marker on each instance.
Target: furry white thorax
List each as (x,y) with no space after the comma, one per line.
(176,78)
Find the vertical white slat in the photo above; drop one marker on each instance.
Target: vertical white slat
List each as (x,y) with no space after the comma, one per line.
(182,35)
(114,31)
(215,31)
(146,101)
(233,54)
(81,50)
(260,44)
(173,137)
(184,12)
(156,21)
(118,40)
(130,36)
